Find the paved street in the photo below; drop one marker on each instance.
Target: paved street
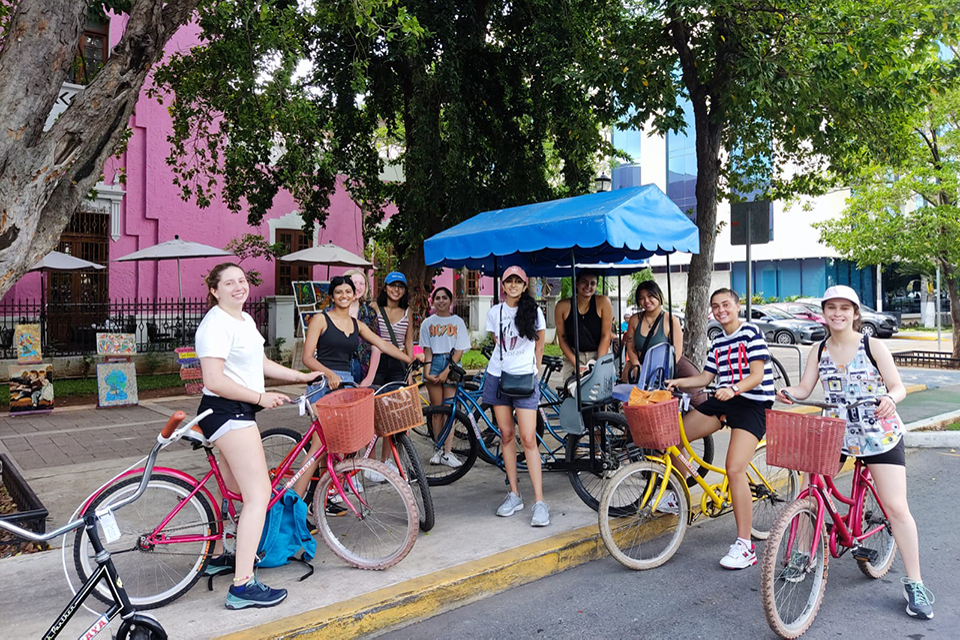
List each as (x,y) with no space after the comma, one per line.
(693,597)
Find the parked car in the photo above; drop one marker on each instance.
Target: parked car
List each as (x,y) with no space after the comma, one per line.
(800,311)
(778,326)
(874,323)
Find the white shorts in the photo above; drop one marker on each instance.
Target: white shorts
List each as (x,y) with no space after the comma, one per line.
(230,425)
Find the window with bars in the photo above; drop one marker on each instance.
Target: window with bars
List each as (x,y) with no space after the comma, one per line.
(91,53)
(293,240)
(473,283)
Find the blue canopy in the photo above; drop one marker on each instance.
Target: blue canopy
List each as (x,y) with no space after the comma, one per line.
(606,227)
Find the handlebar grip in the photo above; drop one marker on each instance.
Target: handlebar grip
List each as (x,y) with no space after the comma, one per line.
(172,424)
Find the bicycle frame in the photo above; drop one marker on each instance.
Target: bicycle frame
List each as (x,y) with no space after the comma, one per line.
(847,531)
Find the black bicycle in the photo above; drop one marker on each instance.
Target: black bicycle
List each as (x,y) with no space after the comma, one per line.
(133,625)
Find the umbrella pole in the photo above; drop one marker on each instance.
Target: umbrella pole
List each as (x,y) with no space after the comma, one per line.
(183,323)
(496,282)
(575,310)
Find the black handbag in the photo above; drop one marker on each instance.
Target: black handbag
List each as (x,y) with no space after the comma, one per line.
(514,385)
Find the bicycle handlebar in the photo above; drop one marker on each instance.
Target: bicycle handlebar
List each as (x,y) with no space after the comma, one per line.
(827,405)
(171,432)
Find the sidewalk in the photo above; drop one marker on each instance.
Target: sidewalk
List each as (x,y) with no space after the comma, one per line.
(469,554)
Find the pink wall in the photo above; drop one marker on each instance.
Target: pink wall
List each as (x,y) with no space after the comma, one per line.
(153,212)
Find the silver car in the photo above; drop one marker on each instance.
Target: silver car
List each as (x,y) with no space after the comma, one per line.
(778,326)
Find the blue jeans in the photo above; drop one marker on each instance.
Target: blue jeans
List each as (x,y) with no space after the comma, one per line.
(345,376)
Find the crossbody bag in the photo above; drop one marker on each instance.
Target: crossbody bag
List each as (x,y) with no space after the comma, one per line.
(514,385)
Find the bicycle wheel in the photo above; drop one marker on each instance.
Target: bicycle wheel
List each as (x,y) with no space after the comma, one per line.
(456,425)
(882,542)
(153,574)
(792,583)
(780,377)
(636,534)
(277,443)
(771,488)
(612,448)
(416,478)
(382,531)
(705,449)
(490,452)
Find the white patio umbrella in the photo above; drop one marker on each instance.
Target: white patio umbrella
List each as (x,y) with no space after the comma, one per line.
(57,261)
(328,254)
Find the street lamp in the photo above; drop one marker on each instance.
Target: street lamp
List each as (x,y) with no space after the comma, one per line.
(602,182)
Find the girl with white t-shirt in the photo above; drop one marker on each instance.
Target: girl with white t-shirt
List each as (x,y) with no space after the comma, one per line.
(234,365)
(443,337)
(518,328)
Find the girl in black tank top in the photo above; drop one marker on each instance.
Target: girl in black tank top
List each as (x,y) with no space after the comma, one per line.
(590,325)
(335,348)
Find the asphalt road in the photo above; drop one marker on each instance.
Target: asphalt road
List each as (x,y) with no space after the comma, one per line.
(693,597)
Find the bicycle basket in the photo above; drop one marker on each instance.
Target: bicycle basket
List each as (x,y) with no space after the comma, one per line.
(397,411)
(346,417)
(804,442)
(654,426)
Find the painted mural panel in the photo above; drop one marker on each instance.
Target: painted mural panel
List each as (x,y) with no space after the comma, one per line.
(31,388)
(117,384)
(26,339)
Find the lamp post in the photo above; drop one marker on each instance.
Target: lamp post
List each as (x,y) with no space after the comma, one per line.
(603,182)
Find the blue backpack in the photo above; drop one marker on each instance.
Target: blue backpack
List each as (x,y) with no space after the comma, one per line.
(285,532)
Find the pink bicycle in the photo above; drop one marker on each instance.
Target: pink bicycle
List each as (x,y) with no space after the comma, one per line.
(168,537)
(793,574)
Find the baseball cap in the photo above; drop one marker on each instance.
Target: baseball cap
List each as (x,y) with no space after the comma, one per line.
(395,276)
(840,292)
(515,271)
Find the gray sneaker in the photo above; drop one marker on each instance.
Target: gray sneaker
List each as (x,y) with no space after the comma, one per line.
(541,515)
(511,504)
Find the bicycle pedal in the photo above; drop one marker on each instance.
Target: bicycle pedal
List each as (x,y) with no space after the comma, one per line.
(866,555)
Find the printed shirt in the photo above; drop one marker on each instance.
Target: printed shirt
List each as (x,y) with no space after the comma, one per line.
(441,335)
(866,435)
(519,355)
(730,356)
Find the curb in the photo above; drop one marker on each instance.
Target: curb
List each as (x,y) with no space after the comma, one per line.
(901,336)
(440,591)
(921,434)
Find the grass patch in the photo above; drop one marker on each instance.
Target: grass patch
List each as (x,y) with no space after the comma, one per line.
(952,427)
(473,359)
(88,386)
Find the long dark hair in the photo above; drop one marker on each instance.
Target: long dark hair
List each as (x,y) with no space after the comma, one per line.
(213,280)
(526,319)
(402,303)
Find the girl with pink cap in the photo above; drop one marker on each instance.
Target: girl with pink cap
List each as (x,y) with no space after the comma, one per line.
(852,367)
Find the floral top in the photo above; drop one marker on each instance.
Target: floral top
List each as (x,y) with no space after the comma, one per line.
(866,435)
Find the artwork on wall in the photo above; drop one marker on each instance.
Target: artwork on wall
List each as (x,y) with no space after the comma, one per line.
(116,344)
(190,371)
(26,338)
(31,389)
(303,291)
(311,297)
(117,384)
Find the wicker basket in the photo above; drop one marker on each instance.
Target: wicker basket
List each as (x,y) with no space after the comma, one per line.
(804,442)
(654,426)
(398,411)
(346,417)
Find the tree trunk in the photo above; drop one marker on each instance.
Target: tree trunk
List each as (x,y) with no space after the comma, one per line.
(45,176)
(950,275)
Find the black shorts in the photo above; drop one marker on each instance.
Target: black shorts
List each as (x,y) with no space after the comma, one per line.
(742,413)
(897,455)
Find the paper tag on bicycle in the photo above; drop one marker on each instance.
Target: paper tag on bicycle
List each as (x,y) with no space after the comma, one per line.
(302,404)
(685,403)
(111,532)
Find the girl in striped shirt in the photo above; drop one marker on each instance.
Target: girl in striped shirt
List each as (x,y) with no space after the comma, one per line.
(740,361)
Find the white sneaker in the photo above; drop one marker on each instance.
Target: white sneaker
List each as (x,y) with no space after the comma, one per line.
(435,460)
(740,556)
(669,503)
(450,460)
(511,504)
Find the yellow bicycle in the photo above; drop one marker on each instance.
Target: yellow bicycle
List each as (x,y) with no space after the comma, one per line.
(645,506)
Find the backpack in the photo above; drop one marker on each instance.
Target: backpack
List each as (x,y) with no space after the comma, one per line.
(285,532)
(866,347)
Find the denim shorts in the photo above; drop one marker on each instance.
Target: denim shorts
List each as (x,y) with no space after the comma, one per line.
(345,376)
(492,384)
(439,363)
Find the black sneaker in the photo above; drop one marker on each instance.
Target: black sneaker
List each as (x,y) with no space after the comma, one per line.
(254,594)
(335,509)
(221,564)
(919,599)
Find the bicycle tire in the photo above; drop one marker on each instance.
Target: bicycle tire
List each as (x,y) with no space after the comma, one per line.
(791,602)
(417,479)
(882,542)
(277,443)
(140,627)
(465,445)
(150,577)
(784,487)
(491,438)
(626,523)
(614,449)
(705,448)
(384,528)
(780,377)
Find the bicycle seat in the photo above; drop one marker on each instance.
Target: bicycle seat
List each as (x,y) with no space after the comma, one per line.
(487,351)
(596,385)
(457,372)
(553,363)
(196,437)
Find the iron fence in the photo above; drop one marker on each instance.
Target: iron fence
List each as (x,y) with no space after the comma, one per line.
(71,329)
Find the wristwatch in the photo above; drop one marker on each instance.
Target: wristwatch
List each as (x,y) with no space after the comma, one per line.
(736,389)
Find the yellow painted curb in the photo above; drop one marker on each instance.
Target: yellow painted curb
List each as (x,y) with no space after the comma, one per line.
(427,595)
(944,336)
